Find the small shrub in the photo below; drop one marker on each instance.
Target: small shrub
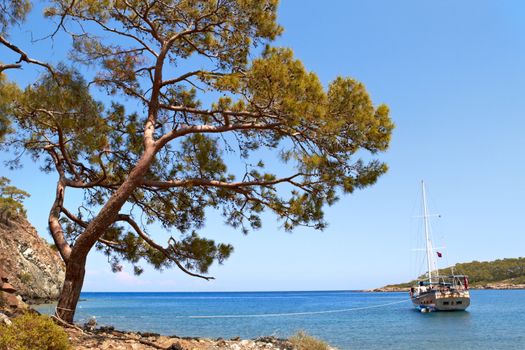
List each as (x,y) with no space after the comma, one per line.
(303,341)
(519,280)
(30,331)
(25,277)
(53,247)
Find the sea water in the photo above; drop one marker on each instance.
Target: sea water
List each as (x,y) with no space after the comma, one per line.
(346,319)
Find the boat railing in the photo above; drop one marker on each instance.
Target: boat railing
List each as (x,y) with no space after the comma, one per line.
(445,283)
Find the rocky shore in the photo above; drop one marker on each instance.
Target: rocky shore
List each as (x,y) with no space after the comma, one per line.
(88,337)
(387,289)
(108,338)
(499,286)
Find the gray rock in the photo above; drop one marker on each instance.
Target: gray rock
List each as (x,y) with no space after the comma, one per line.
(91,324)
(34,269)
(4,319)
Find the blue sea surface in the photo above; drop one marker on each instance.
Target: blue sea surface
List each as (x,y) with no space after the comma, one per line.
(346,319)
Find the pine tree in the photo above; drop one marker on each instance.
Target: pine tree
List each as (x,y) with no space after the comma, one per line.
(194,92)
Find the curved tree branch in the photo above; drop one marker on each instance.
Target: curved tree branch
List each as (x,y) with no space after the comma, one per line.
(165,251)
(23,56)
(192,129)
(55,227)
(216,183)
(73,217)
(4,67)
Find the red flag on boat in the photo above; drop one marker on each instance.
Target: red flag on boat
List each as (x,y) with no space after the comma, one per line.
(439,254)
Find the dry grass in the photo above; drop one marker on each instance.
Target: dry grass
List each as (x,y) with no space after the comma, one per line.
(303,341)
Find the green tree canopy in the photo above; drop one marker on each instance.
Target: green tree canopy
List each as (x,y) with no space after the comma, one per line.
(480,273)
(11,199)
(8,92)
(200,114)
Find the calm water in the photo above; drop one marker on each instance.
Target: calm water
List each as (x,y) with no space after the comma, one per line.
(495,319)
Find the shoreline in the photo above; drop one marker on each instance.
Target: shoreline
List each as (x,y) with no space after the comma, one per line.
(486,287)
(88,337)
(110,338)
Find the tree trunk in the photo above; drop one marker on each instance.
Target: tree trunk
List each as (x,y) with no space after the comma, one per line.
(75,266)
(67,304)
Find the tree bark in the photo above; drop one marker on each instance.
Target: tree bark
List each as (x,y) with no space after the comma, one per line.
(54,222)
(67,304)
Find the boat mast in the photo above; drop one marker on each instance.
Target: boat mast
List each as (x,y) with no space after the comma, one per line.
(430,264)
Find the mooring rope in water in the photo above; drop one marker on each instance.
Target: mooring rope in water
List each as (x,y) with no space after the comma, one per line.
(297,313)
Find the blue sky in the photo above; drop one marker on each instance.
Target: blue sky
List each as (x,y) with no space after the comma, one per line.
(453,74)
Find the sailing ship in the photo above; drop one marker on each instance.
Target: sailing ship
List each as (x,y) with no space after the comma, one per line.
(435,292)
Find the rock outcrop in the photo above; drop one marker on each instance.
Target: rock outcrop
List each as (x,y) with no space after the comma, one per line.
(31,266)
(10,302)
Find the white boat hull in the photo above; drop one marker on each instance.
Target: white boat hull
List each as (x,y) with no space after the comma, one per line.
(441,301)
